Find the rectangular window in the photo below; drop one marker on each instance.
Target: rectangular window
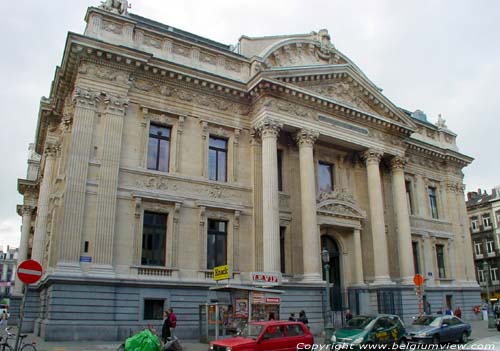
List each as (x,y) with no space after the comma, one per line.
(154,232)
(280,170)
(493,273)
(416,258)
(480,275)
(490,248)
(433,202)
(409,199)
(486,221)
(153,309)
(158,148)
(474,223)
(282,248)
(440,260)
(477,248)
(498,219)
(325,171)
(216,243)
(217,159)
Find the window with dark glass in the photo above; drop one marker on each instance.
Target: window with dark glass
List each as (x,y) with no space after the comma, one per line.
(158,148)
(433,202)
(416,257)
(217,159)
(280,170)
(154,234)
(409,199)
(153,309)
(282,248)
(216,243)
(440,260)
(325,171)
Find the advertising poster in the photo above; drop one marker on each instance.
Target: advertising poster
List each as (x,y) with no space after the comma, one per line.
(241,310)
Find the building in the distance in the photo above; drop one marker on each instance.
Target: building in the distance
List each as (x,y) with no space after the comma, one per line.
(165,154)
(483,210)
(8,264)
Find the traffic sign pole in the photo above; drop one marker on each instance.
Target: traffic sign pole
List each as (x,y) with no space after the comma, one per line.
(28,272)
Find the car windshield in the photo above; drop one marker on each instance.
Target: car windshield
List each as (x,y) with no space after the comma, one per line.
(251,331)
(359,322)
(428,320)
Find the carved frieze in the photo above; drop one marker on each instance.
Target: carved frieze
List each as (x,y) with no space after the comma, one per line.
(232,66)
(103,73)
(112,27)
(150,41)
(287,107)
(215,192)
(339,195)
(188,96)
(208,58)
(158,183)
(182,50)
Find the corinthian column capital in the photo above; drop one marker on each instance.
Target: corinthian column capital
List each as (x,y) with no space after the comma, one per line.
(268,127)
(372,156)
(25,210)
(116,104)
(306,137)
(51,150)
(398,163)
(85,97)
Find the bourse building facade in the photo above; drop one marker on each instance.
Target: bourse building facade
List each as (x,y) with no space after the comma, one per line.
(160,154)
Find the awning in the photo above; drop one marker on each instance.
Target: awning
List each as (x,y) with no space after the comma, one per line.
(230,287)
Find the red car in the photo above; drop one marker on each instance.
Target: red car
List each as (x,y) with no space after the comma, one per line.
(267,336)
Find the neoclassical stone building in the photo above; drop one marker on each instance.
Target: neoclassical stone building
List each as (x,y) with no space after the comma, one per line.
(164,154)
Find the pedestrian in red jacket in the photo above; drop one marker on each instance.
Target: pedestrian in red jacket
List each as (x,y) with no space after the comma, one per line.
(173,321)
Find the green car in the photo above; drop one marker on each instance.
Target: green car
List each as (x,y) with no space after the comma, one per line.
(380,329)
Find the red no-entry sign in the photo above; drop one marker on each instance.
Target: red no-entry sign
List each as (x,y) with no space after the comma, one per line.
(29,271)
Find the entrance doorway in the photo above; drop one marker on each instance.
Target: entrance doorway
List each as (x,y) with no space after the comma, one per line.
(336,297)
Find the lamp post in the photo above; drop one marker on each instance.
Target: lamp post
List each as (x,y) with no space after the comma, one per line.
(491,320)
(325,257)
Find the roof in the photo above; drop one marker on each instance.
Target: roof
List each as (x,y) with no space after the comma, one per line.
(179,32)
(475,198)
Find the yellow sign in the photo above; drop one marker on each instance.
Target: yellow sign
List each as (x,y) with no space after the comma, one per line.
(222,272)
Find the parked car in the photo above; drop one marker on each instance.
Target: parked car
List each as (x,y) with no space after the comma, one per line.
(267,336)
(437,329)
(379,329)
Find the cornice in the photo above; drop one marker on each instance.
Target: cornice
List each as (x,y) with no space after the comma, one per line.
(25,186)
(436,152)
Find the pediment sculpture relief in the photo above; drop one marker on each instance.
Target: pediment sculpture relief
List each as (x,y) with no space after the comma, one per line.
(339,203)
(343,92)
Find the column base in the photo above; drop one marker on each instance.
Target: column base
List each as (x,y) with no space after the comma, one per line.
(102,270)
(358,285)
(67,269)
(312,278)
(407,281)
(383,280)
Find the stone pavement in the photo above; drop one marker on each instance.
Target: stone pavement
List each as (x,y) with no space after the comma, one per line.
(479,330)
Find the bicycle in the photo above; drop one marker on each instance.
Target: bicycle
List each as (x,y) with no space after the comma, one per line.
(23,346)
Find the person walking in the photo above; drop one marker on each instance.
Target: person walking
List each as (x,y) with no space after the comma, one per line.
(292,317)
(303,318)
(165,329)
(348,315)
(458,312)
(173,321)
(3,318)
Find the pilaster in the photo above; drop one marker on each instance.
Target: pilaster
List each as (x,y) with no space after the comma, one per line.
(358,259)
(377,221)
(37,252)
(403,228)
(73,207)
(115,109)
(305,139)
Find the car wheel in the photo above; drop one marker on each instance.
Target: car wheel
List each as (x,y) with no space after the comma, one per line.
(464,337)
(435,339)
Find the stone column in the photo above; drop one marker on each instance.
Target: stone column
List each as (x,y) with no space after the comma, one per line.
(73,205)
(22,254)
(377,221)
(269,130)
(311,253)
(464,234)
(403,229)
(358,258)
(43,205)
(103,244)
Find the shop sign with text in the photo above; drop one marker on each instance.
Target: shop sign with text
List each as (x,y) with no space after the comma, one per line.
(266,278)
(222,272)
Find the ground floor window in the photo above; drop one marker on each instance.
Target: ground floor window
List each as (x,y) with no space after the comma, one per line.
(216,243)
(154,233)
(153,309)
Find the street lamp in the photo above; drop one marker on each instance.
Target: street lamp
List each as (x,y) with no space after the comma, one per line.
(491,320)
(325,257)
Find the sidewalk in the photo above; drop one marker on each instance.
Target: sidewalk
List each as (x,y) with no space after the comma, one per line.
(479,330)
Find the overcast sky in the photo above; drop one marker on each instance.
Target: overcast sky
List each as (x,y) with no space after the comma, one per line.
(437,56)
